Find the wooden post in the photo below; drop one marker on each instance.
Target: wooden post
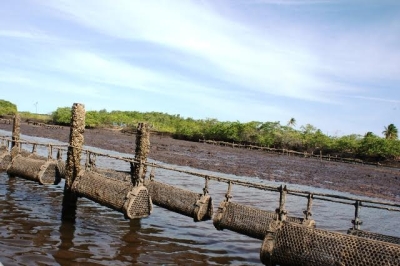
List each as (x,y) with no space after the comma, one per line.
(138,170)
(357,221)
(281,211)
(59,154)
(73,166)
(16,132)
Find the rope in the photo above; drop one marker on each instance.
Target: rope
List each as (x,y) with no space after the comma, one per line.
(300,193)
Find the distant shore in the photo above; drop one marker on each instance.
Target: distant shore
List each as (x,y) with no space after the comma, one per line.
(378,182)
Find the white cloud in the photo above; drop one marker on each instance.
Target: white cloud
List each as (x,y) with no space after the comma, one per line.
(29,35)
(208,55)
(238,54)
(378,99)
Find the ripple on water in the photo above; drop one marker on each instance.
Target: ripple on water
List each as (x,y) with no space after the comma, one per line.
(31,231)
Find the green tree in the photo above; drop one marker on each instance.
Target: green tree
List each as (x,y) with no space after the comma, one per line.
(271,134)
(390,132)
(7,108)
(348,143)
(62,116)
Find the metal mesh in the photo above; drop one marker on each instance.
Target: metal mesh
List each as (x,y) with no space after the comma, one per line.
(139,204)
(195,205)
(26,153)
(108,192)
(376,236)
(247,220)
(3,149)
(42,171)
(5,160)
(122,196)
(60,169)
(36,156)
(48,173)
(292,244)
(114,174)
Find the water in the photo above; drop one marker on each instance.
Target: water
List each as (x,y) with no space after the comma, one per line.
(32,233)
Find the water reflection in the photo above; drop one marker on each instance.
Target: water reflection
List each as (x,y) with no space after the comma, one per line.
(64,254)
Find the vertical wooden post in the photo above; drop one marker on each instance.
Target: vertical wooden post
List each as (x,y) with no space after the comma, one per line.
(281,211)
(59,154)
(73,165)
(138,170)
(357,221)
(138,203)
(307,213)
(16,132)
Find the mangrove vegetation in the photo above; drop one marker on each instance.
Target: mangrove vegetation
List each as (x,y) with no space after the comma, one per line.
(273,134)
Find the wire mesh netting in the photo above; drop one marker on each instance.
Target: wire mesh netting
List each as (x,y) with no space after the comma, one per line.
(113,193)
(376,236)
(39,170)
(195,205)
(293,244)
(247,220)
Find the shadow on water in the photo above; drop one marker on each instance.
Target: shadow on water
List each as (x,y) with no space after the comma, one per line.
(64,253)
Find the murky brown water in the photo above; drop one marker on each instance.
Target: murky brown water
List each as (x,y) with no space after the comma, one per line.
(32,233)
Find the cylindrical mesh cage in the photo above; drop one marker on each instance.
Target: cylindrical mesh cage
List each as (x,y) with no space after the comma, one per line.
(114,174)
(293,244)
(195,205)
(5,159)
(49,174)
(3,149)
(113,194)
(42,171)
(26,153)
(247,220)
(376,236)
(34,155)
(60,168)
(138,204)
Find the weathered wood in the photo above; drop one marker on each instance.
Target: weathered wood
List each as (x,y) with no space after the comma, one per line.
(73,166)
(16,133)
(139,169)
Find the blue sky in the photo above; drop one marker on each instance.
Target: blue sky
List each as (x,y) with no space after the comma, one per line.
(334,64)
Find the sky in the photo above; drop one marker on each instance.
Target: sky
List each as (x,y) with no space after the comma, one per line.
(334,64)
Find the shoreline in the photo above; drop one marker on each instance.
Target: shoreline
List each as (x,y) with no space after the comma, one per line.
(363,180)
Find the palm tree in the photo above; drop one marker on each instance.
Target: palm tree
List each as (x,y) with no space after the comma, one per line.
(390,132)
(291,122)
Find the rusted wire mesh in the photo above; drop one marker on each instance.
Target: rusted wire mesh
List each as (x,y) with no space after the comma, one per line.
(119,195)
(114,174)
(60,168)
(293,244)
(3,148)
(5,158)
(376,236)
(5,162)
(139,203)
(42,171)
(195,205)
(247,220)
(34,155)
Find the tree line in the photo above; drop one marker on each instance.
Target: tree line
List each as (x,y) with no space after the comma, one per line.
(269,134)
